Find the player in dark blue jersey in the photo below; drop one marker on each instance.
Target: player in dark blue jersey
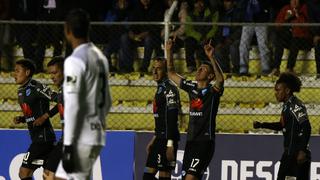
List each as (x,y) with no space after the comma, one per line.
(162,148)
(55,68)
(204,102)
(296,128)
(34,100)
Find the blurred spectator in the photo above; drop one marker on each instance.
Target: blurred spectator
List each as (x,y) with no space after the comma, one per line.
(48,34)
(6,49)
(197,36)
(291,37)
(313,7)
(119,12)
(255,11)
(25,10)
(146,35)
(228,38)
(177,31)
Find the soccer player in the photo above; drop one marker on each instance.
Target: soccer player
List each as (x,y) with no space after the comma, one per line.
(34,100)
(55,68)
(86,97)
(162,148)
(295,125)
(204,103)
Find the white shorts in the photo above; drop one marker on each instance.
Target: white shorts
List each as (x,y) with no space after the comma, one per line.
(84,158)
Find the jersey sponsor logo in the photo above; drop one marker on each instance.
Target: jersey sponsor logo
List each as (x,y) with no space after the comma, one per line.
(43,91)
(38,162)
(30,119)
(171,94)
(26,109)
(196,113)
(196,104)
(28,92)
(188,83)
(171,102)
(297,108)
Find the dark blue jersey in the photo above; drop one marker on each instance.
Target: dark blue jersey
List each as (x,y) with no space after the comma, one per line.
(166,107)
(203,110)
(295,125)
(34,99)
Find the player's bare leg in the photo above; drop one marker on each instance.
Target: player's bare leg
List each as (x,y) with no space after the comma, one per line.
(190,177)
(164,175)
(25,173)
(48,175)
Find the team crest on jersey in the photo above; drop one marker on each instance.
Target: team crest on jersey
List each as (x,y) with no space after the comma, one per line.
(28,92)
(204,91)
(159,89)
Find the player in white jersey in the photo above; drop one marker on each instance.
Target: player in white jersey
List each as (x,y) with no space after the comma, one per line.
(86,99)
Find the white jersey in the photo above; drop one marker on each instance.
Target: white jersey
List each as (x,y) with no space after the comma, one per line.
(86,96)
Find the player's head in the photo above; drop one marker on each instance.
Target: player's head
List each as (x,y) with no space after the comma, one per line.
(159,69)
(286,85)
(55,68)
(24,70)
(77,25)
(205,72)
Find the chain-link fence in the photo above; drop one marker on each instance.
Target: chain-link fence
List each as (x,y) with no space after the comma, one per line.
(248,95)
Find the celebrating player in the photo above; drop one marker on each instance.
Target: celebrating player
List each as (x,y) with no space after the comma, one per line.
(204,103)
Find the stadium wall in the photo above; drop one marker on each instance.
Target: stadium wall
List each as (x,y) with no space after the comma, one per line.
(237,157)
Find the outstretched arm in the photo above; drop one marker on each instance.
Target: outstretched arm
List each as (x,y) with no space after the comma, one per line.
(176,78)
(268,125)
(216,67)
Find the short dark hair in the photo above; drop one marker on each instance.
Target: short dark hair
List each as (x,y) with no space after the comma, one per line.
(27,64)
(162,59)
(291,80)
(78,21)
(57,60)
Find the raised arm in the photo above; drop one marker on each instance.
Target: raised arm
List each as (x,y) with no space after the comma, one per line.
(173,76)
(216,67)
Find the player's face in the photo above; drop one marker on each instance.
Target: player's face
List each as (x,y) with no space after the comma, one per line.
(281,92)
(158,70)
(21,74)
(56,75)
(202,72)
